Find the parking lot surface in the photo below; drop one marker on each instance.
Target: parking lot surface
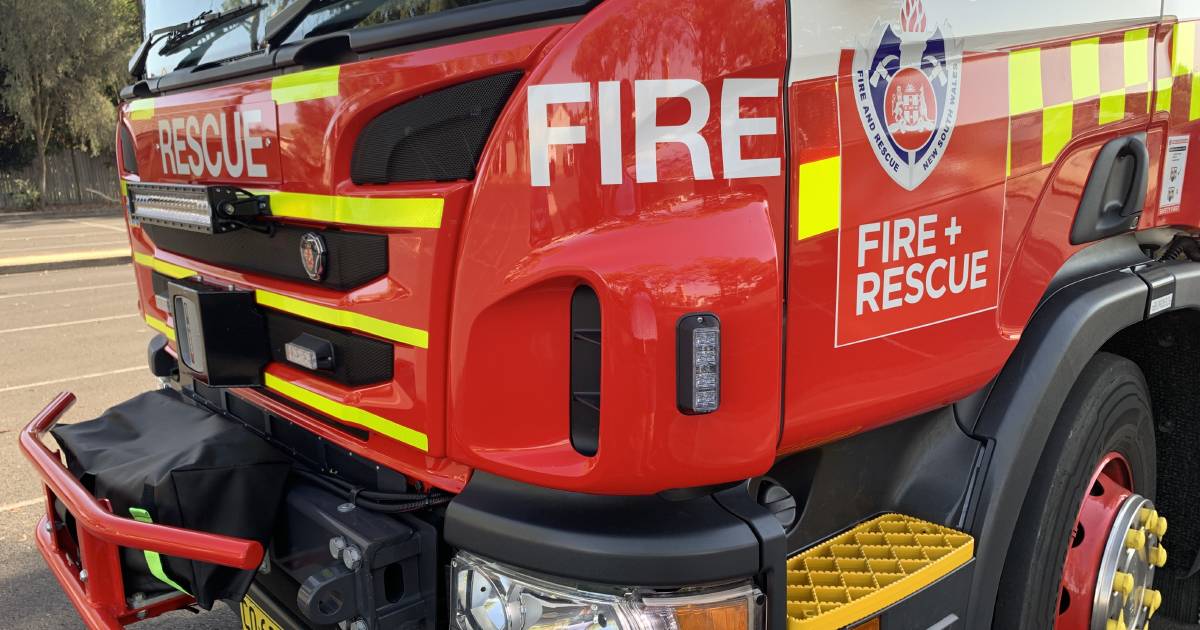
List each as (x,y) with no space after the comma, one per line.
(35,242)
(66,330)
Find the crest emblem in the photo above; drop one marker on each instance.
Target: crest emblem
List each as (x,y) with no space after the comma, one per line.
(906,81)
(312,255)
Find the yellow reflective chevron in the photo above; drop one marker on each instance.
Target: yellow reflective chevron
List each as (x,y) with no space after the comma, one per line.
(1162,94)
(346,413)
(344,319)
(820,189)
(1194,105)
(424,212)
(1112,106)
(141,109)
(161,266)
(305,86)
(331,408)
(1056,130)
(1137,57)
(1085,68)
(160,326)
(1024,81)
(316,312)
(1184,49)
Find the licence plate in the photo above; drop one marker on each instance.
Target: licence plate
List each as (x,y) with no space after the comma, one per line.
(255,618)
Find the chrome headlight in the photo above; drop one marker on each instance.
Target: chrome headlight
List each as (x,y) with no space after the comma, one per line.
(491,596)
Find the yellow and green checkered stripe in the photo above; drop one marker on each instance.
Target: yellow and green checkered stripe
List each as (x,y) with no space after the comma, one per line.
(1088,73)
(1184,74)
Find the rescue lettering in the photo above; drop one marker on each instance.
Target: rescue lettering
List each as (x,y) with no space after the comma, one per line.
(220,144)
(908,267)
(649,133)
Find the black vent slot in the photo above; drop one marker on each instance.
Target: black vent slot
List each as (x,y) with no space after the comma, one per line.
(438,136)
(354,258)
(585,371)
(128,151)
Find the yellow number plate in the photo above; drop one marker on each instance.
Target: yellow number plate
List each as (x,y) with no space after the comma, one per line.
(255,618)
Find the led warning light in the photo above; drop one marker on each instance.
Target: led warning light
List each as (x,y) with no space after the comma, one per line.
(206,209)
(309,352)
(698,363)
(178,206)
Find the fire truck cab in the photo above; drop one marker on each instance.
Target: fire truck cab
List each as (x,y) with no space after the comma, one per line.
(647,314)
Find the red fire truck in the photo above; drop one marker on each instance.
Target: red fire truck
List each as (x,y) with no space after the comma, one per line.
(650,314)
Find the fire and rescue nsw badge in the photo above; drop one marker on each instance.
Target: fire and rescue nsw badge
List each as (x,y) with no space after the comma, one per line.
(928,251)
(906,81)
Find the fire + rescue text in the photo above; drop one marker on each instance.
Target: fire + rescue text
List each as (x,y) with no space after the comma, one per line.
(894,247)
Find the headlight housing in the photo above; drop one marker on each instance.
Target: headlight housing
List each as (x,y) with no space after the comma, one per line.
(491,596)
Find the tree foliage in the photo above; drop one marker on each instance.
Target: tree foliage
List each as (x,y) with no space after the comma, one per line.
(64,61)
(16,145)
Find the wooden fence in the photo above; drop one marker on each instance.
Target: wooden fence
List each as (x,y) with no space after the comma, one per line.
(71,178)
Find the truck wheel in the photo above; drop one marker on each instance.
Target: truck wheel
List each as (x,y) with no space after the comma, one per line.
(1087,540)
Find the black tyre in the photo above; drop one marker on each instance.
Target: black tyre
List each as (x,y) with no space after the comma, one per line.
(1107,411)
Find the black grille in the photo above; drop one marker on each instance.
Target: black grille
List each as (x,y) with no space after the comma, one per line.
(585,371)
(128,151)
(357,360)
(159,283)
(438,136)
(354,258)
(291,437)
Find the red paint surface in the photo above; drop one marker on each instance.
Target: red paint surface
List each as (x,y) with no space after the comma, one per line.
(492,285)
(834,392)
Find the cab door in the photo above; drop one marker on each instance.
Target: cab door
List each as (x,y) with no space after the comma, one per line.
(938,151)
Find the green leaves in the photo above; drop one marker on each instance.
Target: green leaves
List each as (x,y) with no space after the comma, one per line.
(64,64)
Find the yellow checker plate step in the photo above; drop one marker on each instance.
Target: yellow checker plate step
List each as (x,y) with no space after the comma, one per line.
(869,567)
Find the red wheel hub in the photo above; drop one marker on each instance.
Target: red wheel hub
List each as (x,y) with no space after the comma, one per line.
(1114,549)
(1110,485)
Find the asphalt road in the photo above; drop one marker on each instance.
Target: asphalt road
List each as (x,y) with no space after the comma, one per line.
(76,330)
(47,240)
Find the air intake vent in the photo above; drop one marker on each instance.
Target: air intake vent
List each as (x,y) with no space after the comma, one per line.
(128,151)
(438,136)
(585,371)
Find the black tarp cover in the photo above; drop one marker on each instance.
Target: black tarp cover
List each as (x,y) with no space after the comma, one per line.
(184,466)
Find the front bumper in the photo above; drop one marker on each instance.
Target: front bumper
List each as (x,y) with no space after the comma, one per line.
(651,541)
(692,538)
(79,537)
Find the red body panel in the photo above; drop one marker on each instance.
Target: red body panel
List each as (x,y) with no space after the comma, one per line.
(315,139)
(496,317)
(671,228)
(652,251)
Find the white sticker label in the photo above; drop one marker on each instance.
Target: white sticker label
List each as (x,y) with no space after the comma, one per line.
(1161,303)
(1174,167)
